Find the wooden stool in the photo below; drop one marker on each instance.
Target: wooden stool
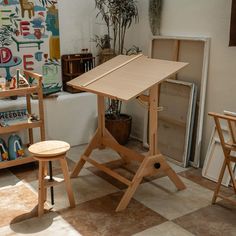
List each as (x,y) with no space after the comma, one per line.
(44,152)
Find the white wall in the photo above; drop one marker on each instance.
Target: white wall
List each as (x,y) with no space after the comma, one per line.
(78,25)
(200,18)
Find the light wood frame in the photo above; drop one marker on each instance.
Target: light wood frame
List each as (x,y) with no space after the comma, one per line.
(175,56)
(215,158)
(26,91)
(186,124)
(228,147)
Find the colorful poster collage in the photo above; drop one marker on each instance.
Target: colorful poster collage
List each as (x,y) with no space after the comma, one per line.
(29,39)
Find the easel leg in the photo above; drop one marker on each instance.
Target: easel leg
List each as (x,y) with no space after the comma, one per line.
(219,182)
(232,176)
(150,166)
(153,125)
(128,194)
(92,145)
(97,140)
(172,175)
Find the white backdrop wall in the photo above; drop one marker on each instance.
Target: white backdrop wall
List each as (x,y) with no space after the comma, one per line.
(78,25)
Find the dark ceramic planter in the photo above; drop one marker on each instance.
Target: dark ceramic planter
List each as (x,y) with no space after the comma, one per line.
(120,128)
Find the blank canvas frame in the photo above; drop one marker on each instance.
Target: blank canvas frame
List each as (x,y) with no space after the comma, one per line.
(195,51)
(215,158)
(178,100)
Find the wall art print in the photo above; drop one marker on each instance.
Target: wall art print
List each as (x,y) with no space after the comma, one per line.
(29,38)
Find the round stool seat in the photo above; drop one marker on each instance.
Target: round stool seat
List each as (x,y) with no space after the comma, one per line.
(50,148)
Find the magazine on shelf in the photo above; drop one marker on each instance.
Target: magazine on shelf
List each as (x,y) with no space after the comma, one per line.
(12,117)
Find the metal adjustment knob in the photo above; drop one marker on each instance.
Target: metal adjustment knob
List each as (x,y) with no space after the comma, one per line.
(157,165)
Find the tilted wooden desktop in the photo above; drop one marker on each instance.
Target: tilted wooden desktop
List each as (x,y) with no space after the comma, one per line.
(124,78)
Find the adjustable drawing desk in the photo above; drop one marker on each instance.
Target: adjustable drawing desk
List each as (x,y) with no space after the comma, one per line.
(124,78)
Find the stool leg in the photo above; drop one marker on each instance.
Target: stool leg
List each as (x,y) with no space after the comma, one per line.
(41,188)
(69,190)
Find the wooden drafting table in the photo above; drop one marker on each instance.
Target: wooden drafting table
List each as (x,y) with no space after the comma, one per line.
(124,78)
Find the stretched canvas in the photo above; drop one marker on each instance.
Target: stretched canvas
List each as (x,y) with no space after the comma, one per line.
(195,51)
(215,158)
(175,123)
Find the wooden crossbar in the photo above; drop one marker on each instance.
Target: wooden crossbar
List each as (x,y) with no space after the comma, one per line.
(107,170)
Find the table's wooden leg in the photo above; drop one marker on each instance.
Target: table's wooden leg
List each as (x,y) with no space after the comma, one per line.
(97,140)
(155,162)
(153,126)
(219,182)
(128,194)
(94,143)
(169,172)
(150,166)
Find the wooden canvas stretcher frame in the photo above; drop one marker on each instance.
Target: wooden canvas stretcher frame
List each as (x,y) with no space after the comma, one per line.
(195,50)
(214,159)
(182,110)
(124,78)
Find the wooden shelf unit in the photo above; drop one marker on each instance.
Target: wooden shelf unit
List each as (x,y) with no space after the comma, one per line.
(26,125)
(74,65)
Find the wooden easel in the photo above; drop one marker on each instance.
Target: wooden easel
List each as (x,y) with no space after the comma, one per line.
(113,79)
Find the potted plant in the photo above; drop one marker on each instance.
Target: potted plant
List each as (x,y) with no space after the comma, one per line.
(118,16)
(104,43)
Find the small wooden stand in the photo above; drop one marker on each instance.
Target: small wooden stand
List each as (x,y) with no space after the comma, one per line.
(30,125)
(113,79)
(48,151)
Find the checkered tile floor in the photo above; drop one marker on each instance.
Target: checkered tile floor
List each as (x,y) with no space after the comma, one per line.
(157,208)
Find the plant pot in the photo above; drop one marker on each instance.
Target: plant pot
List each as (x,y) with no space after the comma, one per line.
(106,55)
(120,128)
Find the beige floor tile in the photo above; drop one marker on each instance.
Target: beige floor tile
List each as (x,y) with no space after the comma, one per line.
(86,186)
(165,229)
(177,168)
(101,156)
(99,218)
(214,220)
(17,203)
(119,168)
(195,175)
(162,196)
(75,152)
(49,225)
